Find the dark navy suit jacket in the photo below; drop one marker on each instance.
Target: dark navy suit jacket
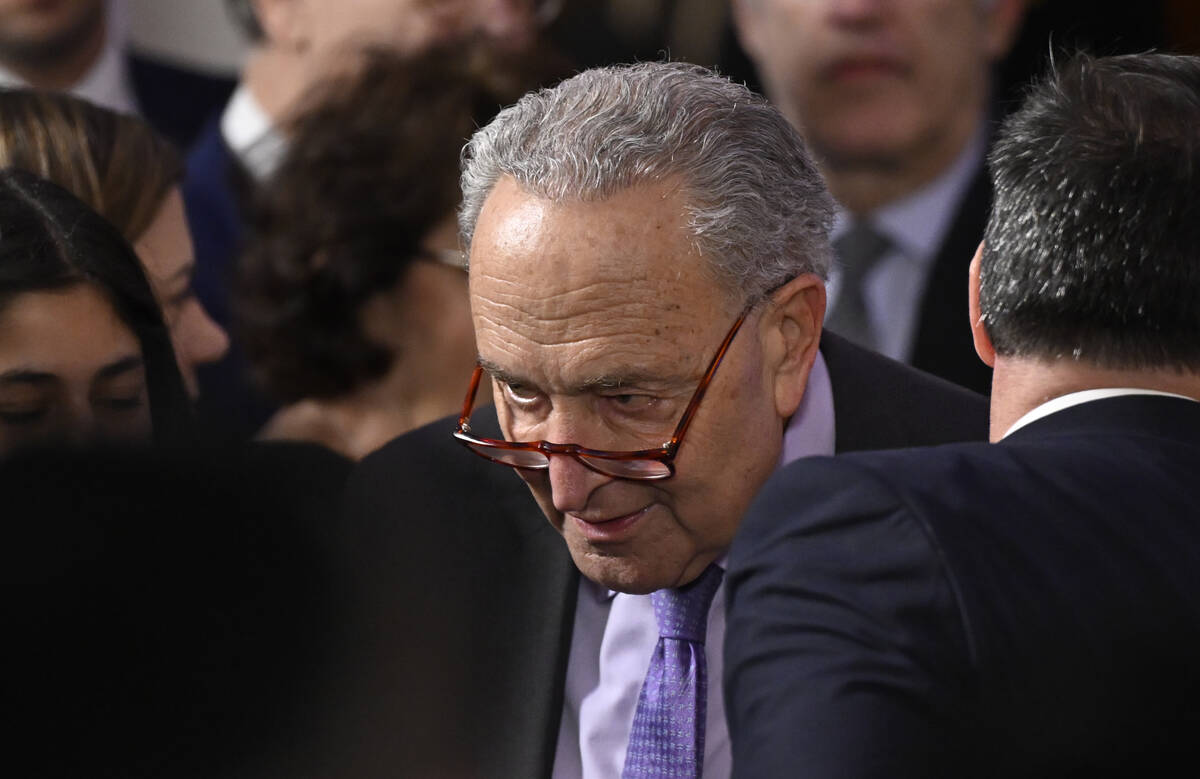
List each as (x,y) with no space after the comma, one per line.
(1028,608)
(176,101)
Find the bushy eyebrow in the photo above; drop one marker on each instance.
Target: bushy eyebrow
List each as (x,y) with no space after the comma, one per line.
(632,379)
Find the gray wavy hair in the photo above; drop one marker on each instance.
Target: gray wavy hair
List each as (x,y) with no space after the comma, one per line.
(757,205)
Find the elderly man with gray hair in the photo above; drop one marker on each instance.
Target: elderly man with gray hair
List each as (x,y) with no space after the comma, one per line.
(648,246)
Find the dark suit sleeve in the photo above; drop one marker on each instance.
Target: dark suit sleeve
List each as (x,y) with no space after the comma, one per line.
(844,651)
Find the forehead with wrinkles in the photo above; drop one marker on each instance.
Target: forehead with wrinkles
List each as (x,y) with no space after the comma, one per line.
(575,287)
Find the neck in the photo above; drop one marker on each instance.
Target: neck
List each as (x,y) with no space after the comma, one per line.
(277,79)
(1020,385)
(862,185)
(63,73)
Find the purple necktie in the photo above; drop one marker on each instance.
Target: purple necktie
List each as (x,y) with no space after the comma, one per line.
(667,739)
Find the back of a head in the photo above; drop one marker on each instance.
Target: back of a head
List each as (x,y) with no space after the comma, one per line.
(51,241)
(115,163)
(758,207)
(1091,251)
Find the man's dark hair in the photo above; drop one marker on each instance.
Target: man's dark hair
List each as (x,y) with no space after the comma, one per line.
(1093,248)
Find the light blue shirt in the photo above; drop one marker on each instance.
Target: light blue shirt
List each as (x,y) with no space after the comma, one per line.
(917,227)
(616,633)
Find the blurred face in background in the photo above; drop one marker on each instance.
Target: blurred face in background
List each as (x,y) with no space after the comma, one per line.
(408,25)
(70,370)
(165,250)
(46,30)
(878,82)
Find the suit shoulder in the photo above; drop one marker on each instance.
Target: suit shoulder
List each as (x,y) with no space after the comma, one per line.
(883,404)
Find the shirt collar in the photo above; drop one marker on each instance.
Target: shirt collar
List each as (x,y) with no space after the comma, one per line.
(916,224)
(251,135)
(1063,402)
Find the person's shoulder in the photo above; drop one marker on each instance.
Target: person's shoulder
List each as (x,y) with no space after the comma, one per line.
(880,403)
(177,100)
(426,471)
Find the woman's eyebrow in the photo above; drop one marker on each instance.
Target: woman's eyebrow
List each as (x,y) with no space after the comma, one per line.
(27,376)
(123,365)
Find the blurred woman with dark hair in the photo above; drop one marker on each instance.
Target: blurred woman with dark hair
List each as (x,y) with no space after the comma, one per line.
(353,291)
(126,172)
(84,351)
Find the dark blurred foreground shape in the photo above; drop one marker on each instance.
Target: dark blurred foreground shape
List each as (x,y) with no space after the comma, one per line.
(190,615)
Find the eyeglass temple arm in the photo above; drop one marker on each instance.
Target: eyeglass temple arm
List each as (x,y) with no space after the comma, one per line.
(690,411)
(469,402)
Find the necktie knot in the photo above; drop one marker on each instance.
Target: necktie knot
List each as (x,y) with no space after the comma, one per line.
(859,249)
(683,613)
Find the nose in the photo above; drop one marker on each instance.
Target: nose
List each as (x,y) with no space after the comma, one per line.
(201,340)
(510,22)
(572,483)
(855,11)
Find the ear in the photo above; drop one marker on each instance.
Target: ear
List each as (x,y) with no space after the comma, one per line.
(979,334)
(791,332)
(747,20)
(1002,20)
(285,23)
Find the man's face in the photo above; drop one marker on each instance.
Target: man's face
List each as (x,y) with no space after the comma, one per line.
(596,321)
(413,25)
(875,82)
(46,30)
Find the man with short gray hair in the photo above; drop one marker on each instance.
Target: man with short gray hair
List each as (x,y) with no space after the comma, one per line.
(648,246)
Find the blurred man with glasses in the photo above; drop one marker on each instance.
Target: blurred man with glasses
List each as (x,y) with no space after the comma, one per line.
(295,46)
(648,246)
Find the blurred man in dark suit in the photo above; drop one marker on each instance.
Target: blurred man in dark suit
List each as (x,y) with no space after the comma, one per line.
(647,251)
(1029,607)
(70,45)
(894,98)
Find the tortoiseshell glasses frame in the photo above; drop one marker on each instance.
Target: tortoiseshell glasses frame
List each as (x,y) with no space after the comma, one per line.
(643,464)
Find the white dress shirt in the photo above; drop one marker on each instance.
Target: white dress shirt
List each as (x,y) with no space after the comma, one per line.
(615,635)
(1063,402)
(251,135)
(917,227)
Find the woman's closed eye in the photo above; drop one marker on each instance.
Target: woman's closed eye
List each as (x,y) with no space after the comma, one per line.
(22,414)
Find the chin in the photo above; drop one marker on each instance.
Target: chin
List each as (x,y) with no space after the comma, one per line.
(619,573)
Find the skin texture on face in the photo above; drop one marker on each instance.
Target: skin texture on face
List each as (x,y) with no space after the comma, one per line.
(69,369)
(596,321)
(165,250)
(44,23)
(51,43)
(408,25)
(894,87)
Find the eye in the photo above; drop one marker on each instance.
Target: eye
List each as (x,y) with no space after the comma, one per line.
(121,403)
(521,394)
(23,416)
(632,401)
